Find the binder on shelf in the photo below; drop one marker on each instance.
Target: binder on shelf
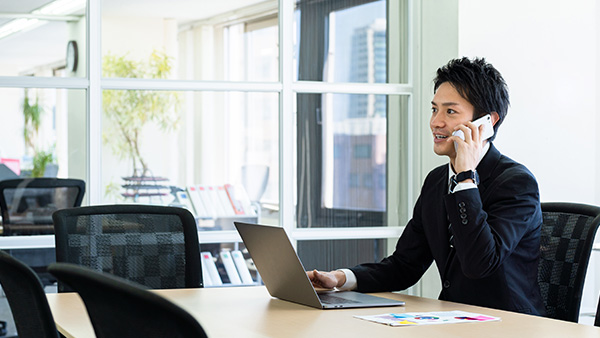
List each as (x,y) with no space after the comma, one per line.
(242,196)
(205,276)
(196,202)
(218,201)
(211,268)
(214,198)
(208,201)
(223,199)
(234,199)
(232,272)
(242,268)
(185,201)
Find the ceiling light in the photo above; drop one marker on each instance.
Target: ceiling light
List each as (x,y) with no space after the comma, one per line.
(58,7)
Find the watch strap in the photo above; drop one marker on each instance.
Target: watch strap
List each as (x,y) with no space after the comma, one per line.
(468,174)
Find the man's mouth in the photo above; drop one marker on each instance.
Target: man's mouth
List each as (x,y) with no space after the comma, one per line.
(437,136)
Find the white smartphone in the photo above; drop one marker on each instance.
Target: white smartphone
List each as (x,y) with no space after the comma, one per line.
(488,129)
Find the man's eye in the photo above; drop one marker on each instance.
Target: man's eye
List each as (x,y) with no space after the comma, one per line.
(451,111)
(433,110)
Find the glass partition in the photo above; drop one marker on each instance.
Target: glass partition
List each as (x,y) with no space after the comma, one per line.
(159,147)
(43,38)
(43,133)
(203,40)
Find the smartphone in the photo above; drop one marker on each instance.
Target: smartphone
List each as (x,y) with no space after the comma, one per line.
(488,129)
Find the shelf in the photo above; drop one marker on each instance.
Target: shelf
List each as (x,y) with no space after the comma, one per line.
(145,179)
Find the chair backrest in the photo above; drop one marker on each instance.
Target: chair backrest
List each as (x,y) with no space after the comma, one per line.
(31,201)
(155,246)
(255,179)
(567,237)
(26,298)
(119,308)
(597,319)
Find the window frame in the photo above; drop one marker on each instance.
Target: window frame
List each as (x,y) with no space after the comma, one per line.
(286,87)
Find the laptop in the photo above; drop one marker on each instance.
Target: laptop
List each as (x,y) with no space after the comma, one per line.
(285,277)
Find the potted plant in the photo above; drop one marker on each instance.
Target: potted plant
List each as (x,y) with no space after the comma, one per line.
(129,111)
(32,114)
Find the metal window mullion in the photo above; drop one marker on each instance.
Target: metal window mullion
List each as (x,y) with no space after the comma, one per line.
(318,87)
(94,108)
(43,82)
(346,233)
(286,117)
(188,85)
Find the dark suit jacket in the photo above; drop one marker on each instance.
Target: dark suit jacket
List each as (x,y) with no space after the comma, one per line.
(494,261)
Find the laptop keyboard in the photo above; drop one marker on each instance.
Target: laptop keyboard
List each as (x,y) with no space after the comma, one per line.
(328,298)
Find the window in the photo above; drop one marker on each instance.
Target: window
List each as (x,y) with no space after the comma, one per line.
(41,132)
(362,151)
(342,137)
(171,95)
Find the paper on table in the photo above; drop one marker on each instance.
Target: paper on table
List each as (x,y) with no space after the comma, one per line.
(428,318)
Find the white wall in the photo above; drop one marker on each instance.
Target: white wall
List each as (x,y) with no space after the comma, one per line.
(548,52)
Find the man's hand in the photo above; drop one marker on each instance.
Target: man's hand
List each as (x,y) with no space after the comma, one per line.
(468,152)
(327,280)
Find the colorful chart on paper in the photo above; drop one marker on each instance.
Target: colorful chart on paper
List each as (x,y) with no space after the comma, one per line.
(428,318)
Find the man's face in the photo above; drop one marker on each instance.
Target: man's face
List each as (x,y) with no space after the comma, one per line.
(448,110)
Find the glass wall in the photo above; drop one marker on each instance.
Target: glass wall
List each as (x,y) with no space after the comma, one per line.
(201,104)
(41,133)
(157,144)
(43,38)
(202,40)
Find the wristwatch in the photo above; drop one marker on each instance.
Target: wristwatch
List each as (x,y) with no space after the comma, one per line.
(472,174)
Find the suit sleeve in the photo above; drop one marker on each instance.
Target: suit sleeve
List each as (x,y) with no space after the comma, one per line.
(404,267)
(484,239)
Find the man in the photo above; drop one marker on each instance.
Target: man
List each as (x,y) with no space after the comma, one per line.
(484,232)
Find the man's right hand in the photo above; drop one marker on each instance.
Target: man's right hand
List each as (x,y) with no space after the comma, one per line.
(327,280)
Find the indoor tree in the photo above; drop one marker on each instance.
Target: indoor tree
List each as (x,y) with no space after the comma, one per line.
(130,110)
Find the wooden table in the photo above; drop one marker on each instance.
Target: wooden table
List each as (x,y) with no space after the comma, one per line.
(251,312)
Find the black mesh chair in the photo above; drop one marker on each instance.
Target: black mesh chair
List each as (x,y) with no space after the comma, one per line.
(27,204)
(155,246)
(26,298)
(119,308)
(567,237)
(597,319)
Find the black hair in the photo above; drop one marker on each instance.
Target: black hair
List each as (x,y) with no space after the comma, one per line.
(478,82)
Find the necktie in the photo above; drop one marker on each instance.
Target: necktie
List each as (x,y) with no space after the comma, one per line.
(451,187)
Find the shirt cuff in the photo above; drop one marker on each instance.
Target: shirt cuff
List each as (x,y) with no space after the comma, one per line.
(350,280)
(464,186)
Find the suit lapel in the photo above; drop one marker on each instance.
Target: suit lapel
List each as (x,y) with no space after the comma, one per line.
(486,166)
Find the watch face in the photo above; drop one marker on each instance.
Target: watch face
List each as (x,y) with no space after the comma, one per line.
(72,56)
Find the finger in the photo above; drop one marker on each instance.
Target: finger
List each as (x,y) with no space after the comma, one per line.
(318,277)
(475,131)
(466,131)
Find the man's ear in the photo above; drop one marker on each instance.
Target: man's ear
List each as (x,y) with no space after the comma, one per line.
(495,117)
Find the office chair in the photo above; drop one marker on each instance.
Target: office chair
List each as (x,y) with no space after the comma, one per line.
(597,319)
(567,237)
(27,205)
(155,246)
(255,178)
(120,308)
(26,298)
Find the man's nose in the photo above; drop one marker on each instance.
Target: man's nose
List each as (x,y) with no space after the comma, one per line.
(437,120)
